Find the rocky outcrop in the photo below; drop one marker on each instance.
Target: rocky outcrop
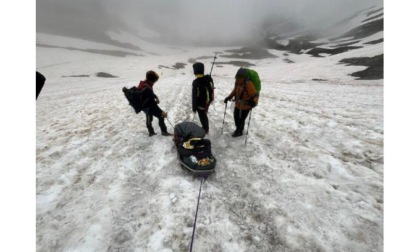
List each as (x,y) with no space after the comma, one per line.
(375,66)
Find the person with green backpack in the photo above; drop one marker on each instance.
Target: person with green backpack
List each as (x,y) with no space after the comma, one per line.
(246,94)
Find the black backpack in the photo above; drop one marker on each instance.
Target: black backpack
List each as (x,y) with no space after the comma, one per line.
(135,97)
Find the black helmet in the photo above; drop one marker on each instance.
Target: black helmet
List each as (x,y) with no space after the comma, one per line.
(152,76)
(198,68)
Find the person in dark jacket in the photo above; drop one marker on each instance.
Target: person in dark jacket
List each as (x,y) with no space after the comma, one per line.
(246,97)
(202,94)
(151,102)
(40,80)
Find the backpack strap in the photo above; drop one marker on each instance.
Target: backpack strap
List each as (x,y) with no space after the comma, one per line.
(244,89)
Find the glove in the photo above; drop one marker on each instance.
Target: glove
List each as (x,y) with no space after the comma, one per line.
(227,99)
(251,103)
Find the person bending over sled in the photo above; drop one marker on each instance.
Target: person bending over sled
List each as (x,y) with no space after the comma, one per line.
(151,102)
(246,97)
(202,94)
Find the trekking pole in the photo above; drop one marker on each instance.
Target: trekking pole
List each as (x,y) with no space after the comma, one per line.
(215,57)
(224,117)
(246,138)
(211,70)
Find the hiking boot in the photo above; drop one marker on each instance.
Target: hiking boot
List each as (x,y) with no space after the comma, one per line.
(166,134)
(151,134)
(236,134)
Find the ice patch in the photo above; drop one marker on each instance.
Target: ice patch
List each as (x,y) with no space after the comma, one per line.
(337,169)
(156,241)
(92,240)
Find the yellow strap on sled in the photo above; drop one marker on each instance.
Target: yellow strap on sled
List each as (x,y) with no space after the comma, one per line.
(187,144)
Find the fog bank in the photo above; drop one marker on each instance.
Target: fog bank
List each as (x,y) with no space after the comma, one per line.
(191,22)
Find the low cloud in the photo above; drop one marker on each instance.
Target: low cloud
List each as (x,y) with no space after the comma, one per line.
(193,22)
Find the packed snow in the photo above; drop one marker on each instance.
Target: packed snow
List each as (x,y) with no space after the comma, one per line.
(309,179)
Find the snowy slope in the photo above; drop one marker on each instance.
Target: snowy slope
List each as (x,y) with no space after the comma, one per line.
(361,30)
(309,179)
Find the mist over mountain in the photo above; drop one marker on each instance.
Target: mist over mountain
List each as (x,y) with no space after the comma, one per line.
(184,22)
(79,19)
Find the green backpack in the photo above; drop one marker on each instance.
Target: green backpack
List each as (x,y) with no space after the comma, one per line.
(253,76)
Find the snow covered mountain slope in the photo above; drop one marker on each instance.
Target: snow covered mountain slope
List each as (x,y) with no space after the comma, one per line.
(309,179)
(364,29)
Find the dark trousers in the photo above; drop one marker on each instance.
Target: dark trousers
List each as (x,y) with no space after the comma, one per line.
(150,113)
(202,114)
(240,117)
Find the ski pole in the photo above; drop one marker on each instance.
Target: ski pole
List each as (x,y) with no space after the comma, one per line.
(224,117)
(246,138)
(215,57)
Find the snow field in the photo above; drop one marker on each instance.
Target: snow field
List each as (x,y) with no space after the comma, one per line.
(309,179)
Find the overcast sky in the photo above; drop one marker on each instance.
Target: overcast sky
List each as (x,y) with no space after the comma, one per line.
(186,20)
